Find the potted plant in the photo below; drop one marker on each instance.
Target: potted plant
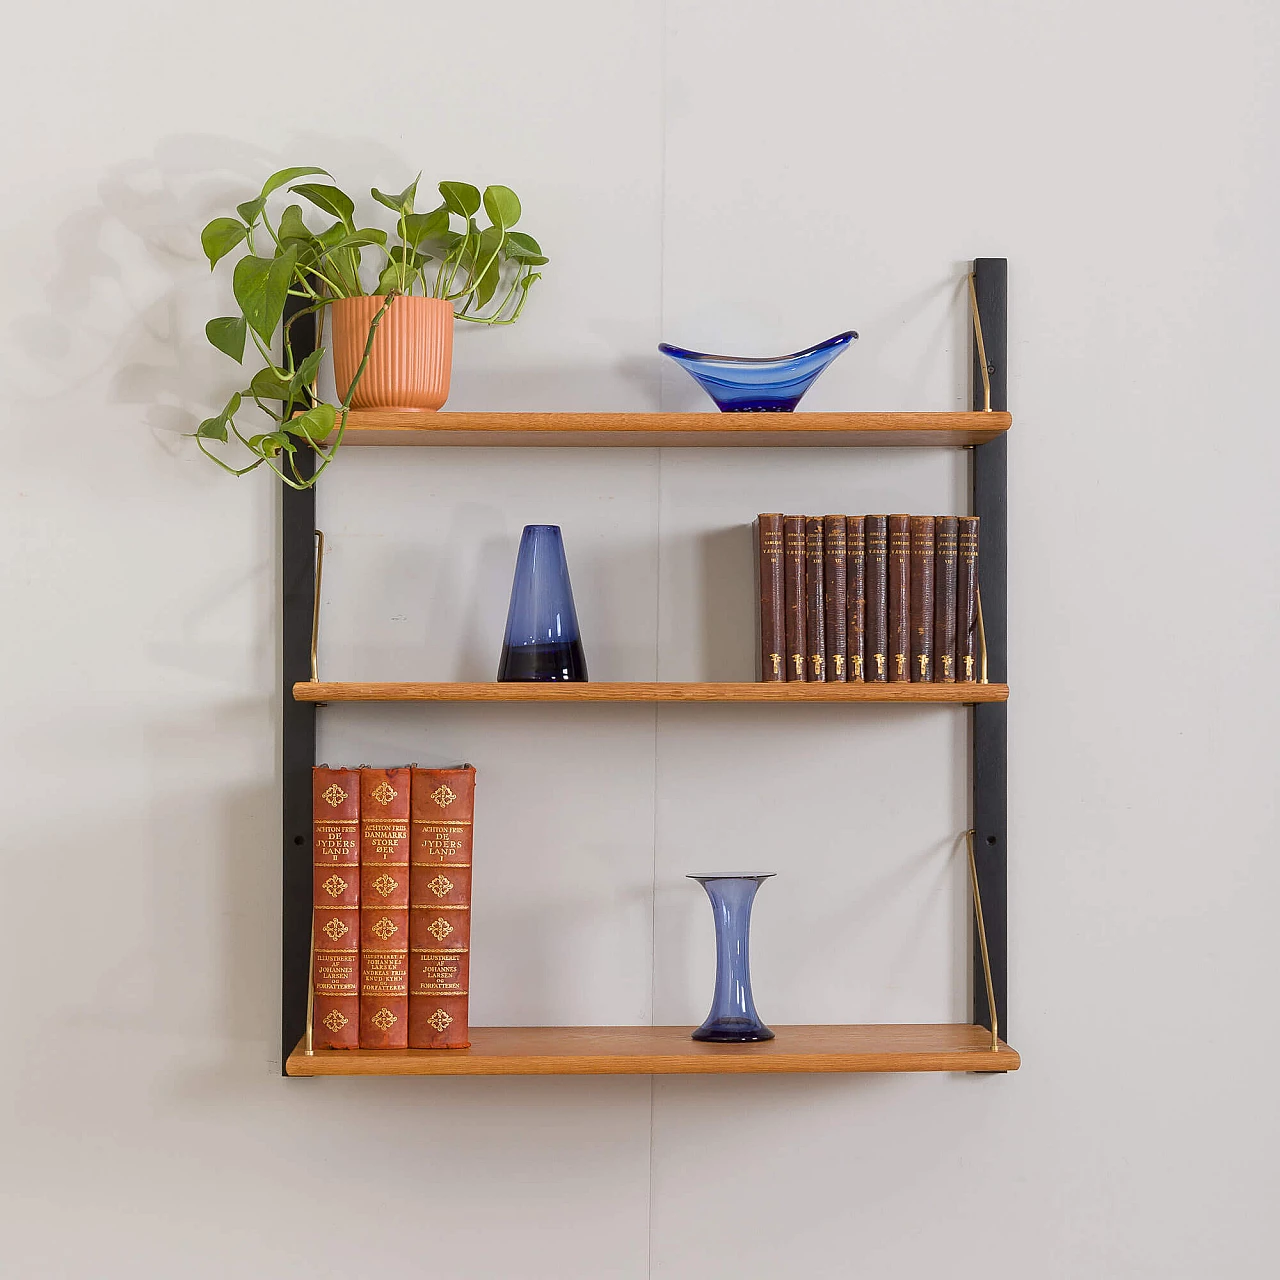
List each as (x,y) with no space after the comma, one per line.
(392,343)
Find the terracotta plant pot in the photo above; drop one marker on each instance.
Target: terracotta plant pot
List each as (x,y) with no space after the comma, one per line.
(412,352)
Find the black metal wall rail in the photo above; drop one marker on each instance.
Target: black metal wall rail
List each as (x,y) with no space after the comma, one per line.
(989,748)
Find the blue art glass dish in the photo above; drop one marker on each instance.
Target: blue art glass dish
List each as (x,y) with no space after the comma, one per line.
(542,641)
(733,1018)
(768,384)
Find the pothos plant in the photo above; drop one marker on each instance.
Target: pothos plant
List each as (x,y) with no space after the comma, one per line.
(290,271)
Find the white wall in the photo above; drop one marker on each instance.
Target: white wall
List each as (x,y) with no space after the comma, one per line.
(746,175)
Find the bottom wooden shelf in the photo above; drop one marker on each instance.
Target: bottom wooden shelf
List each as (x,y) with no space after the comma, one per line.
(555,1051)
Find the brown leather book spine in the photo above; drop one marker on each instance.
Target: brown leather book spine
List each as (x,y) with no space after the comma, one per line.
(836,591)
(443,808)
(793,589)
(946,540)
(900,598)
(815,607)
(967,600)
(923,552)
(856,596)
(384,908)
(876,643)
(335,939)
(773,626)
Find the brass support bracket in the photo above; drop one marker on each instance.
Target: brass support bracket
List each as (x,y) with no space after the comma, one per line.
(982,645)
(982,941)
(982,350)
(315,604)
(311,985)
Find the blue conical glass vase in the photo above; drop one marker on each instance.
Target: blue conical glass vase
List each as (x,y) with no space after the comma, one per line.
(733,1018)
(542,641)
(768,384)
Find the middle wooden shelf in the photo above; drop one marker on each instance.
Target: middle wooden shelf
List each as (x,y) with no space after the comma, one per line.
(655,691)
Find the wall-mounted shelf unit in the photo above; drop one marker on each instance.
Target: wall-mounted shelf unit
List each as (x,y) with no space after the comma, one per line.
(611,691)
(970,1047)
(668,1051)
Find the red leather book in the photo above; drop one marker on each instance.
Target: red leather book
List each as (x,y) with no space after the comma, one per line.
(922,598)
(899,598)
(876,642)
(384,908)
(772,598)
(335,937)
(835,588)
(855,594)
(443,806)
(946,542)
(815,606)
(793,589)
(967,601)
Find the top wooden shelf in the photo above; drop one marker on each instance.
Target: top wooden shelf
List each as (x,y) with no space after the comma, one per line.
(651,430)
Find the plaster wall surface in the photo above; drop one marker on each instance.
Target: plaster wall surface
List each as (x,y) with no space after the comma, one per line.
(740,176)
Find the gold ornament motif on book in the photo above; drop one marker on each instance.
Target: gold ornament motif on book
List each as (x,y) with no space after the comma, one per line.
(440,886)
(334,1021)
(335,929)
(384,928)
(334,794)
(385,884)
(440,1021)
(443,796)
(439,929)
(384,793)
(334,886)
(384,1019)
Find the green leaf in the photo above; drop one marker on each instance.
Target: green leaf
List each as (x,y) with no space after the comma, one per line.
(526,281)
(523,248)
(292,226)
(426,226)
(264,444)
(367,235)
(305,374)
(315,424)
(487,286)
(460,198)
(389,279)
(260,286)
(403,203)
(502,205)
(282,176)
(213,429)
(251,210)
(232,407)
(228,333)
(269,384)
(490,242)
(331,200)
(220,237)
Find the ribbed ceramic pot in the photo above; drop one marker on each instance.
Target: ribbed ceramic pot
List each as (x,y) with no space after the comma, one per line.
(412,352)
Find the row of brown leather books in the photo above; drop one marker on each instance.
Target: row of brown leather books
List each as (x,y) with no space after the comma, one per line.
(391,928)
(868,598)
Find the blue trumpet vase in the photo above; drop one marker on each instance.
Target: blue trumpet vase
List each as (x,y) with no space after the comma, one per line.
(733,1018)
(769,384)
(542,640)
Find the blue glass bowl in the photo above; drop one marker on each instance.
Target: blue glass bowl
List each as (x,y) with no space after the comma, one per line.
(768,384)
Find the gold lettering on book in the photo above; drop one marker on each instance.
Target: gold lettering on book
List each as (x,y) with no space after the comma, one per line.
(335,1021)
(334,795)
(838,659)
(443,796)
(384,793)
(816,659)
(384,1019)
(440,1021)
(798,660)
(901,660)
(439,929)
(856,659)
(775,660)
(334,886)
(386,885)
(879,657)
(946,664)
(384,928)
(440,885)
(923,660)
(968,667)
(335,929)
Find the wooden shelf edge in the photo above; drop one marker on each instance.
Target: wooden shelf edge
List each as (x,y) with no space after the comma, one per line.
(653,430)
(606,691)
(546,1051)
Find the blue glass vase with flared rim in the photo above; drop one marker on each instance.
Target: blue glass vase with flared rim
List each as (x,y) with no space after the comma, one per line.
(733,1018)
(766,384)
(542,640)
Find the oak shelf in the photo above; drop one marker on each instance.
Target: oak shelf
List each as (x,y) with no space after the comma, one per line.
(607,691)
(666,1051)
(653,430)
